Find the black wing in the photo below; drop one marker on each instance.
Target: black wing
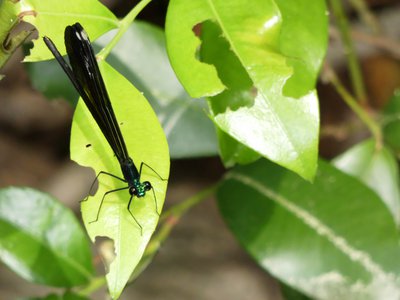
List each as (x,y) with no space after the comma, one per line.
(86,77)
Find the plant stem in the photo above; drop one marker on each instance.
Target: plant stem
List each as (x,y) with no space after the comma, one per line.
(366,15)
(355,106)
(354,66)
(123,27)
(180,209)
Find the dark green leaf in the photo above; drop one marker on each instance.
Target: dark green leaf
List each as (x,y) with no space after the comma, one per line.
(41,240)
(292,294)
(333,239)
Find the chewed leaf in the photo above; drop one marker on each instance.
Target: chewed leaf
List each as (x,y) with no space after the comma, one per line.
(146,143)
(267,54)
(51,17)
(198,78)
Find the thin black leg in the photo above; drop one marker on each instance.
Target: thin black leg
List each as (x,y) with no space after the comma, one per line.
(155,201)
(102,199)
(154,194)
(144,164)
(96,179)
(129,209)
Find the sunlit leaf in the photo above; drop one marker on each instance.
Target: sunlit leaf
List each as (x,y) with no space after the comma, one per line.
(146,143)
(267,54)
(51,17)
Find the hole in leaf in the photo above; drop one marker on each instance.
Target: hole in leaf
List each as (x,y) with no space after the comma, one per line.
(215,50)
(105,247)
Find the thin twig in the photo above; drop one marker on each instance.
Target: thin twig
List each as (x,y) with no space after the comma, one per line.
(362,113)
(123,27)
(353,63)
(366,15)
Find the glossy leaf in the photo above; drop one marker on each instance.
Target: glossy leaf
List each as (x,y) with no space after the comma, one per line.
(146,143)
(377,168)
(278,47)
(141,57)
(333,239)
(41,240)
(51,17)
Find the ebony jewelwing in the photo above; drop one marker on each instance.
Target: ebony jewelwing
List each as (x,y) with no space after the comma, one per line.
(85,75)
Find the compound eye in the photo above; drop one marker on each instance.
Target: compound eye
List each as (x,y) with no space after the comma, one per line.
(133,191)
(147,186)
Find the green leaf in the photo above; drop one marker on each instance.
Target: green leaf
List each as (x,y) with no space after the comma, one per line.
(146,143)
(377,168)
(50,18)
(278,47)
(333,239)
(391,122)
(41,240)
(141,57)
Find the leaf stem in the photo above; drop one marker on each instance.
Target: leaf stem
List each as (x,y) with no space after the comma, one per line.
(123,27)
(355,106)
(354,66)
(180,209)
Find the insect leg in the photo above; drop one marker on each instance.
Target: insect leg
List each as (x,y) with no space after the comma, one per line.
(129,209)
(154,171)
(152,189)
(155,201)
(102,199)
(96,179)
